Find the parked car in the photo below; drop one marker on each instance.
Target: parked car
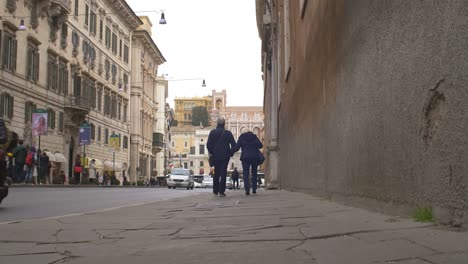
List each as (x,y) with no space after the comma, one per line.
(197,184)
(207,182)
(180,177)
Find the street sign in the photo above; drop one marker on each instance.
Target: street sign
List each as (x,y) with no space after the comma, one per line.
(85,134)
(39,122)
(114,141)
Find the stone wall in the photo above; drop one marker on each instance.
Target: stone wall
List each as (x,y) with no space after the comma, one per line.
(374,109)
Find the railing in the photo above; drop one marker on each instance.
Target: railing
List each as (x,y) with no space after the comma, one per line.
(78,102)
(66,4)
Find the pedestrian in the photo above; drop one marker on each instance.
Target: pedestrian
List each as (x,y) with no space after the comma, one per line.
(235,178)
(43,168)
(20,154)
(92,171)
(100,178)
(220,144)
(77,169)
(250,158)
(62,177)
(30,163)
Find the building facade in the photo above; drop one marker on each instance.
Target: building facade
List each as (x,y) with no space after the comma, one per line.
(72,59)
(366,102)
(148,95)
(183,107)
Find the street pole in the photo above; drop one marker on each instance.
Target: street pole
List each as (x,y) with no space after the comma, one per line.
(38,169)
(113,163)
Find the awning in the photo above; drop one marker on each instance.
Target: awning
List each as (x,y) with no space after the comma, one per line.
(110,166)
(51,156)
(60,158)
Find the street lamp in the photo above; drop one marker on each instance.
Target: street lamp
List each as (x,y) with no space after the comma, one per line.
(186,79)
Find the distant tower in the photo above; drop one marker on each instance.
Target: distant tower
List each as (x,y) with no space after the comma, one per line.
(219,104)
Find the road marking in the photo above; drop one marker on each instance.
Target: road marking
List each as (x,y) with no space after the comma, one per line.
(93,211)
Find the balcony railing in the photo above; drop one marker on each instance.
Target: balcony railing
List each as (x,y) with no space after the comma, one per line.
(65,4)
(78,103)
(158,142)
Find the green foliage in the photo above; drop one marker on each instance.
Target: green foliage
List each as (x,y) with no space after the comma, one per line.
(126,183)
(200,115)
(140,183)
(174,123)
(423,214)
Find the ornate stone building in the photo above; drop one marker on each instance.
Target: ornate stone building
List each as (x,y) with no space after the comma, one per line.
(73,59)
(148,95)
(183,107)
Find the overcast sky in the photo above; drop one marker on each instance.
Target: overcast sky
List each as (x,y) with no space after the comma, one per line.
(212,39)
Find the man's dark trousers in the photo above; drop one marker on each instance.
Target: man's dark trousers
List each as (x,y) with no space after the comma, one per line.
(234,182)
(219,179)
(246,164)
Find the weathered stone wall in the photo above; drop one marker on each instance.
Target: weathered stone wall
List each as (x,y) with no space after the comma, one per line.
(375,105)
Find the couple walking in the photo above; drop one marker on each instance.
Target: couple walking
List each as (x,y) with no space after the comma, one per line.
(222,146)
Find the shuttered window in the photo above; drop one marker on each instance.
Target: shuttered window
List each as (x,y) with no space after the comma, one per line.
(9,51)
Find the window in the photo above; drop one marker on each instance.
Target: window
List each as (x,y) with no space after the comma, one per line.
(61,122)
(107,68)
(126,53)
(99,134)
(108,37)
(63,77)
(6,105)
(114,73)
(114,43)
(64,36)
(125,81)
(192,150)
(107,103)
(202,149)
(173,144)
(77,3)
(93,23)
(185,144)
(9,51)
(99,99)
(114,106)
(202,164)
(29,108)
(86,22)
(93,132)
(120,48)
(244,117)
(233,116)
(125,112)
(119,109)
(52,70)
(125,142)
(185,165)
(32,64)
(51,118)
(106,136)
(101,29)
(191,163)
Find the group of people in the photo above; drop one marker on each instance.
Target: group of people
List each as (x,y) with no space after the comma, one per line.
(222,146)
(235,179)
(24,163)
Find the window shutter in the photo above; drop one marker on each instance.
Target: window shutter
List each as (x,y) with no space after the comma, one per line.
(13,55)
(65,81)
(27,110)
(53,119)
(2,105)
(36,66)
(10,110)
(5,52)
(30,64)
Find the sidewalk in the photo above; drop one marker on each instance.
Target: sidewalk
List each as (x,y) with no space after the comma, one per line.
(270,227)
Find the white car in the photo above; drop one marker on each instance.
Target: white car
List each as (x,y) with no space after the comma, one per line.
(207,182)
(197,185)
(180,177)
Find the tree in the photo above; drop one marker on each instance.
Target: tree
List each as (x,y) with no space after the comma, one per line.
(174,123)
(200,116)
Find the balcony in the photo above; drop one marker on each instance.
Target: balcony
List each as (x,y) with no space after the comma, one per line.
(158,142)
(64,5)
(77,105)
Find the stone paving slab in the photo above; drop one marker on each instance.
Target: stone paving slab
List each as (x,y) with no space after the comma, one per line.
(271,227)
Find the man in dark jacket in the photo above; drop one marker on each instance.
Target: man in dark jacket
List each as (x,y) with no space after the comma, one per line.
(20,154)
(220,144)
(235,179)
(250,157)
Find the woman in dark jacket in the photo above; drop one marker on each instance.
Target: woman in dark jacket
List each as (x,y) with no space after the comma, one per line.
(250,157)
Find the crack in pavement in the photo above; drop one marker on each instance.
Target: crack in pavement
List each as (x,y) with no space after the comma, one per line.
(31,254)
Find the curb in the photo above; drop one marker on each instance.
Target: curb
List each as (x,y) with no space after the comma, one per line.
(78,186)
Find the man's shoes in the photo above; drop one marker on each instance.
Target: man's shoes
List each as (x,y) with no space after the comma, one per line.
(254,191)
(215,193)
(222,195)
(247,193)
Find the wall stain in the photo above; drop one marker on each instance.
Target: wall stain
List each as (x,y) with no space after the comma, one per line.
(432,113)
